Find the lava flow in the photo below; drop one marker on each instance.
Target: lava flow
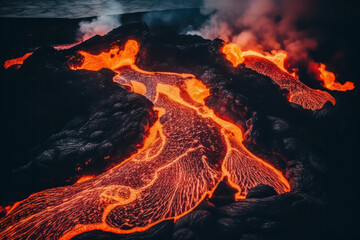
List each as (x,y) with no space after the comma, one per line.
(188,152)
(272,65)
(16,61)
(328,78)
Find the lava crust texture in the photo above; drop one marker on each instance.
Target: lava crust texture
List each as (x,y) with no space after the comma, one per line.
(84,122)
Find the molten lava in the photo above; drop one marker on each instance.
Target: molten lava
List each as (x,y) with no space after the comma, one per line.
(16,61)
(85,178)
(329,80)
(188,152)
(113,59)
(275,57)
(272,65)
(233,53)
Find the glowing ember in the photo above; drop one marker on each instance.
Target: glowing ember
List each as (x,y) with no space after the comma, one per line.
(16,61)
(329,80)
(188,152)
(272,65)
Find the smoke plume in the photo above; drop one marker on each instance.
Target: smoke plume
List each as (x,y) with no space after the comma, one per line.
(263,25)
(98,26)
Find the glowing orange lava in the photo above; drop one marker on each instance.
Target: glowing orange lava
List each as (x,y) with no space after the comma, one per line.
(85,178)
(233,53)
(189,150)
(113,59)
(329,80)
(65,46)
(16,61)
(273,66)
(276,57)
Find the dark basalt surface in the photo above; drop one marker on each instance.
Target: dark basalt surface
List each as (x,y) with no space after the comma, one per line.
(83,114)
(60,124)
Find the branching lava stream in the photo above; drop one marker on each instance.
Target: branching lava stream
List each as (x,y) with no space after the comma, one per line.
(188,152)
(273,66)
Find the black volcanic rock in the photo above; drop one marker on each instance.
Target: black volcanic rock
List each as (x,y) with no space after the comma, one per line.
(60,124)
(261,191)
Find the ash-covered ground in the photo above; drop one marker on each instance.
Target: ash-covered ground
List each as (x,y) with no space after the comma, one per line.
(58,124)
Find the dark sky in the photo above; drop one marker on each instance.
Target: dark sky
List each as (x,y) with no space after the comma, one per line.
(86,8)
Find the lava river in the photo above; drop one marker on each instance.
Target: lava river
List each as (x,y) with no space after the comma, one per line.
(273,66)
(188,152)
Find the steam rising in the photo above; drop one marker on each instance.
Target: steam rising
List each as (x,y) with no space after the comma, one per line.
(261,24)
(98,26)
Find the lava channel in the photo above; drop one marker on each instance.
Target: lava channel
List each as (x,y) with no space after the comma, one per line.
(188,152)
(272,65)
